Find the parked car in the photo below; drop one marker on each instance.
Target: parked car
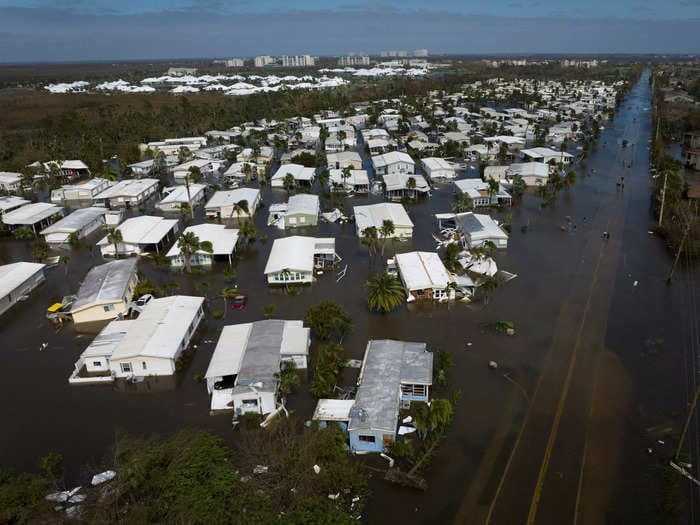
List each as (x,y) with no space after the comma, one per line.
(239,302)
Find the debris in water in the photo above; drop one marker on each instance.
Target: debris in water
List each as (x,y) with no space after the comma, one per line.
(103,477)
(493,365)
(407,419)
(635,283)
(317,469)
(260,469)
(43,346)
(334,496)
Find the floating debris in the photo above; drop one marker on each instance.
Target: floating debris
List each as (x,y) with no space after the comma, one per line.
(103,477)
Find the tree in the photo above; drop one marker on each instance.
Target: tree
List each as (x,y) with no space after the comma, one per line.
(384,292)
(269,310)
(114,237)
(248,231)
(440,414)
(570,179)
(328,319)
(463,204)
(190,244)
(23,233)
(328,362)
(493,187)
(518,186)
(370,238)
(386,230)
(411,186)
(183,154)
(289,182)
(240,209)
(194,174)
(185,209)
(287,379)
(226,294)
(247,171)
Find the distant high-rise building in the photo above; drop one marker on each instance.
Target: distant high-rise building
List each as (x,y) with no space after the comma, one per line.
(263,60)
(234,62)
(353,60)
(298,61)
(402,53)
(182,71)
(420,53)
(386,54)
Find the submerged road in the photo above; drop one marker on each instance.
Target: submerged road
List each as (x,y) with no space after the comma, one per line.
(559,459)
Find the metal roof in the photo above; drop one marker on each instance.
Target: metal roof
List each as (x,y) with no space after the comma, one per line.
(106,283)
(223,240)
(76,221)
(14,274)
(31,213)
(386,365)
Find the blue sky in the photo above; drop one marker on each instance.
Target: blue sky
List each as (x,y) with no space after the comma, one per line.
(54,30)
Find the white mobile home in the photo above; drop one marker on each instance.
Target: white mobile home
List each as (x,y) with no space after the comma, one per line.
(9,203)
(155,340)
(399,185)
(105,293)
(344,159)
(225,204)
(546,155)
(17,280)
(81,194)
(393,162)
(480,194)
(438,168)
(140,234)
(130,192)
(299,173)
(206,167)
(176,196)
(35,216)
(293,259)
(476,229)
(10,181)
(375,215)
(242,372)
(81,222)
(532,173)
(223,241)
(357,182)
(424,276)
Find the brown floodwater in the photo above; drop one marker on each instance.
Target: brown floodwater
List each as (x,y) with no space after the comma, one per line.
(43,413)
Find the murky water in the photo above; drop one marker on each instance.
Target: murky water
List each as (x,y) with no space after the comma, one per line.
(42,413)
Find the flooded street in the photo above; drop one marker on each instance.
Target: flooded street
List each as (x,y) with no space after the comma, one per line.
(559,430)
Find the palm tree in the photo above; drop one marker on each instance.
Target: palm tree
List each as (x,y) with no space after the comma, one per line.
(190,244)
(384,292)
(370,238)
(194,175)
(114,237)
(422,422)
(570,179)
(463,204)
(493,188)
(239,209)
(247,171)
(225,294)
(345,174)
(441,412)
(289,182)
(411,185)
(248,231)
(386,231)
(185,209)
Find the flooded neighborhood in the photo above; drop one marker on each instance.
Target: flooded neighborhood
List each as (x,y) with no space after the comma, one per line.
(470,288)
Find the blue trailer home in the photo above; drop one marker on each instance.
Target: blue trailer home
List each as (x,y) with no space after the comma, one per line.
(393,373)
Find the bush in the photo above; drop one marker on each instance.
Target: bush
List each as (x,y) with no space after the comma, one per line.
(217,314)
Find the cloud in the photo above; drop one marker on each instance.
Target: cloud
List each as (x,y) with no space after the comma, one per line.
(56,35)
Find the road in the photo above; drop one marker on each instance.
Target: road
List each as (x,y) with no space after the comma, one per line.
(559,458)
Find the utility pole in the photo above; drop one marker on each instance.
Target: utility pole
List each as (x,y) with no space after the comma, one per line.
(663,198)
(678,253)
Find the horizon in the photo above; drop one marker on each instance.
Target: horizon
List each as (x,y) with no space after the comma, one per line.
(40,31)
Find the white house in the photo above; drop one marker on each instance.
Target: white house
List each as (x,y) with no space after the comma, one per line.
(82,222)
(243,371)
(546,155)
(176,196)
(224,204)
(36,215)
(532,173)
(476,229)
(438,168)
(149,345)
(9,203)
(131,192)
(344,159)
(17,280)
(424,276)
(63,168)
(375,215)
(206,167)
(393,162)
(357,182)
(301,175)
(478,191)
(398,185)
(294,259)
(105,293)
(140,234)
(81,194)
(300,211)
(10,181)
(223,241)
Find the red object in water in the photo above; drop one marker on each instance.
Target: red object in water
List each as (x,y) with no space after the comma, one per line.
(239,302)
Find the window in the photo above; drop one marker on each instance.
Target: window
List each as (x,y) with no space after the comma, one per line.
(108,308)
(302,219)
(250,402)
(126,367)
(97,363)
(366,439)
(143,364)
(411,390)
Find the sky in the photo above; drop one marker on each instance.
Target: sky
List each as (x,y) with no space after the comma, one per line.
(74,30)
